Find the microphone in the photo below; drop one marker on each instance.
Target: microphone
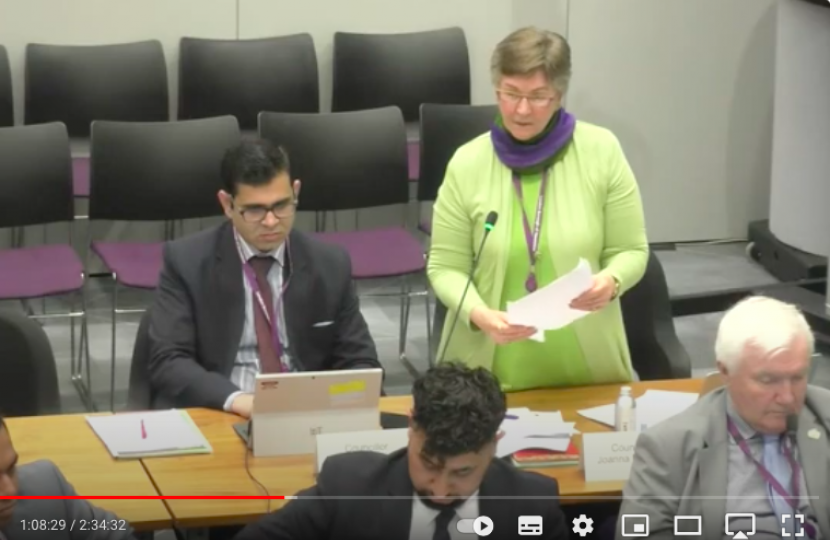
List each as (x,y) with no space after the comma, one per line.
(489,223)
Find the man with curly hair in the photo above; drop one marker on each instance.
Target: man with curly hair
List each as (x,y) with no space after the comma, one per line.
(447,473)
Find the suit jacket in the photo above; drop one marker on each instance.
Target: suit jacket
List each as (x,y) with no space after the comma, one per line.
(198,316)
(68,519)
(368,496)
(687,457)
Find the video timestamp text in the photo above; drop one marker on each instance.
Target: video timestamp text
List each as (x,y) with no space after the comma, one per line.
(73,525)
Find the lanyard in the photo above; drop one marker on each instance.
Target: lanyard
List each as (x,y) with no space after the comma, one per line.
(271,314)
(532,236)
(792,497)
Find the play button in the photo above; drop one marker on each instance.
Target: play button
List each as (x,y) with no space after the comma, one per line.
(483,526)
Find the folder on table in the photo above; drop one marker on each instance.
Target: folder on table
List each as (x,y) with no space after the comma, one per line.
(149,434)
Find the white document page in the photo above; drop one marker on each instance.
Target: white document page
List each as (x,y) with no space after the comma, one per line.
(524,429)
(549,308)
(162,431)
(653,407)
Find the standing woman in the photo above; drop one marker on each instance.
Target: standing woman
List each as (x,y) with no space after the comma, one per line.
(563,190)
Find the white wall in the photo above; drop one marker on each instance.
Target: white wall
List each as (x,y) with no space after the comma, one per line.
(800,160)
(687,86)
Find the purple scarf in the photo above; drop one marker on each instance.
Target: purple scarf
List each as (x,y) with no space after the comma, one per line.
(537,154)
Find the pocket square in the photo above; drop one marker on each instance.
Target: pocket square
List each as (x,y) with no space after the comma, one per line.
(322,324)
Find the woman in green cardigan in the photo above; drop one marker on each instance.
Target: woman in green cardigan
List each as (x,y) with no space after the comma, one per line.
(563,190)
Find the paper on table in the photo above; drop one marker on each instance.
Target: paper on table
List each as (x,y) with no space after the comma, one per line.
(653,407)
(166,431)
(524,429)
(548,308)
(511,445)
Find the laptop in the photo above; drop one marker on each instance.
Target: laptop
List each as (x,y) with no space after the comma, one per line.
(291,409)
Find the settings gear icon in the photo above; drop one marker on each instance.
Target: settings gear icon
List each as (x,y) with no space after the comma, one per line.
(583,525)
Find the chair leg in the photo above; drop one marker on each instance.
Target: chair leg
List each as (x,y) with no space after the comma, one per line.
(112,357)
(81,362)
(427,304)
(406,301)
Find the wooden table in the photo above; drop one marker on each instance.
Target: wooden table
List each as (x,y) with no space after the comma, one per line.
(69,442)
(572,485)
(223,472)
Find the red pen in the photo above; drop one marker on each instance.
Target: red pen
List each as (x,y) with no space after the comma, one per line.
(143,430)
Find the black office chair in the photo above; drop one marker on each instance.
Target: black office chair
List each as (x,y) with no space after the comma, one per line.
(36,190)
(28,376)
(656,352)
(155,171)
(245,77)
(445,128)
(404,70)
(353,161)
(6,102)
(76,85)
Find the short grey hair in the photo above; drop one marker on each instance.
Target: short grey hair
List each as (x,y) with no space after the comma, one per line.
(531,49)
(762,322)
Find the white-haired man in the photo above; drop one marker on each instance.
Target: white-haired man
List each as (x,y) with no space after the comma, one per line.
(758,446)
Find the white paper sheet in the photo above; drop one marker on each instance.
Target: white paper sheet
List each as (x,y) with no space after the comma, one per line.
(511,445)
(166,431)
(523,429)
(653,407)
(548,308)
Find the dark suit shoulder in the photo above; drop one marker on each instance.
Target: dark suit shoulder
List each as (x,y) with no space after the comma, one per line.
(318,251)
(511,481)
(200,243)
(36,475)
(352,473)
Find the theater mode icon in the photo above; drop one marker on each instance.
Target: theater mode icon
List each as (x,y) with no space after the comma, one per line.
(688,525)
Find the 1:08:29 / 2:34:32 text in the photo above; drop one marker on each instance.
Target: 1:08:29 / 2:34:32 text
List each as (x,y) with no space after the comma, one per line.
(74,525)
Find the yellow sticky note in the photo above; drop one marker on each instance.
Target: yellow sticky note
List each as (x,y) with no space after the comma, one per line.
(347,388)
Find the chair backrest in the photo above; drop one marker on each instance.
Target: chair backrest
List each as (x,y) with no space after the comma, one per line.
(28,376)
(656,352)
(345,161)
(245,77)
(404,70)
(76,85)
(158,171)
(35,175)
(6,102)
(139,395)
(445,128)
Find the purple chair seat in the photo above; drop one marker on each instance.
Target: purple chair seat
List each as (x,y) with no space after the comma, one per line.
(379,253)
(80,176)
(135,264)
(414,157)
(34,272)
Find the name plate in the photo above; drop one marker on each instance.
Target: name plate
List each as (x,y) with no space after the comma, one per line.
(608,456)
(384,441)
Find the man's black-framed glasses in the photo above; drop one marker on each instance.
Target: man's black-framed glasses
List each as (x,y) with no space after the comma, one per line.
(257,213)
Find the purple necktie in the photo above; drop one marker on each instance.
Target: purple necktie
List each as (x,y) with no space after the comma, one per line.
(269,360)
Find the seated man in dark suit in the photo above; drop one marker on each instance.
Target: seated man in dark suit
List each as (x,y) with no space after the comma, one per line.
(42,519)
(447,473)
(251,296)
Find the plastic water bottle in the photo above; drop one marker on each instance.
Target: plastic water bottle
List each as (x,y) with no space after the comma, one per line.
(625,418)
